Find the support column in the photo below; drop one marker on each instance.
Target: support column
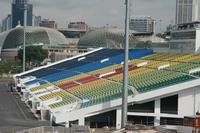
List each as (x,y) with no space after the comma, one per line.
(197,105)
(67,124)
(45,114)
(25,95)
(34,106)
(157,121)
(118,118)
(51,119)
(157,113)
(81,121)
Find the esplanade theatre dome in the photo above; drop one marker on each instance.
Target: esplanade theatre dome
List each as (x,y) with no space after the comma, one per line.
(14,38)
(106,37)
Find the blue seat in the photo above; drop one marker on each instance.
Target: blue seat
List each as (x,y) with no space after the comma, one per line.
(90,63)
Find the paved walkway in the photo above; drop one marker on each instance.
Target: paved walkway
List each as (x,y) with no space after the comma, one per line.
(14,114)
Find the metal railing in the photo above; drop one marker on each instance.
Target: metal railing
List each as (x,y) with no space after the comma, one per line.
(51,129)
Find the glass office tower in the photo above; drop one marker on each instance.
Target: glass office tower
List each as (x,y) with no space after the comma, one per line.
(18,12)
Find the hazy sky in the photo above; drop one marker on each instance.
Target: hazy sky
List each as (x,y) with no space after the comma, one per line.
(98,12)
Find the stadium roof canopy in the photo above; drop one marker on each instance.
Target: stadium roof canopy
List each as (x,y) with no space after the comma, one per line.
(105,37)
(34,35)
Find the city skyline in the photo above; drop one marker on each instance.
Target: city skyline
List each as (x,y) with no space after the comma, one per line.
(99,12)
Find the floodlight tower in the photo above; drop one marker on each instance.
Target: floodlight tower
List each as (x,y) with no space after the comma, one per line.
(125,75)
(25,4)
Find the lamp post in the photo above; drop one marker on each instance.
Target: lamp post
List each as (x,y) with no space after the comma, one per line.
(125,75)
(24,42)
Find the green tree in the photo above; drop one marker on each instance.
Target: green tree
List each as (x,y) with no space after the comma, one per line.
(34,54)
(10,67)
(147,44)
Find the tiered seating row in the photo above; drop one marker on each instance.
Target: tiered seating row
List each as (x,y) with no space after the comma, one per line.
(92,78)
(90,63)
(184,67)
(65,100)
(40,87)
(98,91)
(62,66)
(52,95)
(157,79)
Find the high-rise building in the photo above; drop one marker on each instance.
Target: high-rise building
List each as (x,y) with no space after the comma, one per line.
(142,25)
(18,12)
(49,24)
(7,23)
(186,11)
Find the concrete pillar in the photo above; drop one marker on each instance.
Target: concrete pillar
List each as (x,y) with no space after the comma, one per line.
(67,124)
(186,97)
(34,106)
(197,96)
(118,118)
(157,121)
(81,121)
(45,114)
(25,95)
(157,113)
(51,119)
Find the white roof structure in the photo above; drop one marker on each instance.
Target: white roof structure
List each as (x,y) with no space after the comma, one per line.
(34,35)
(105,37)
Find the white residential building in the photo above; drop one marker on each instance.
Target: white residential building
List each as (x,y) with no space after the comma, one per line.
(142,24)
(186,11)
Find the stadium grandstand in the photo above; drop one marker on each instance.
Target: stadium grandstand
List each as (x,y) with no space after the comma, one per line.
(87,89)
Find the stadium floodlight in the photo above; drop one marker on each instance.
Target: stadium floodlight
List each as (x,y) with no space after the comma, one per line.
(125,75)
(24,43)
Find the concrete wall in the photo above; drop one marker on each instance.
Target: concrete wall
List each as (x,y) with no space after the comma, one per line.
(197,49)
(186,103)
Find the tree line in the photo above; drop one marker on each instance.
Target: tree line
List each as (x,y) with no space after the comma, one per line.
(34,56)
